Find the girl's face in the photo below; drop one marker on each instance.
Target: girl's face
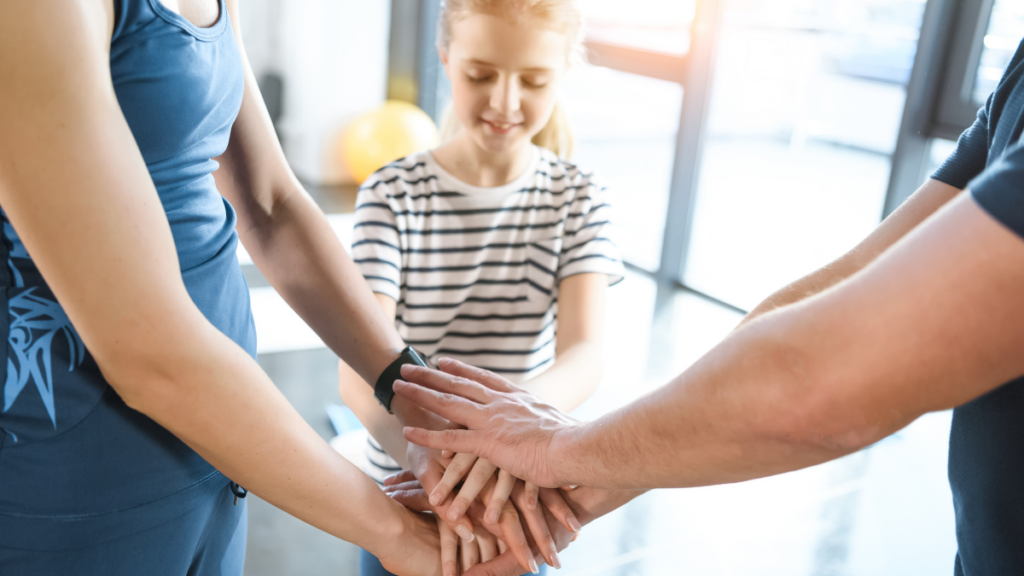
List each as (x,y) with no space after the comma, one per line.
(505,78)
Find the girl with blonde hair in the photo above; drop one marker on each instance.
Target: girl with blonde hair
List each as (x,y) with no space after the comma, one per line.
(492,249)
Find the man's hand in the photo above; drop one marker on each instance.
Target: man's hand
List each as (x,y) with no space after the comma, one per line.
(506,424)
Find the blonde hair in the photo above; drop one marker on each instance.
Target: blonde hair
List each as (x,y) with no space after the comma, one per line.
(566,17)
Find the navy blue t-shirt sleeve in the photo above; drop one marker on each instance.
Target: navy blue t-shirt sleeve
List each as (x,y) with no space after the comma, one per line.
(1000,189)
(971,154)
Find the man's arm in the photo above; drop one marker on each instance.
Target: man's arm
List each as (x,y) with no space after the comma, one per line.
(931,196)
(934,322)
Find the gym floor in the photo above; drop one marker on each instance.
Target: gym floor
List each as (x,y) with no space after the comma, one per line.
(886,510)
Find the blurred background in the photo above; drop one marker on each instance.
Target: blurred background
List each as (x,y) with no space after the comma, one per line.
(746,142)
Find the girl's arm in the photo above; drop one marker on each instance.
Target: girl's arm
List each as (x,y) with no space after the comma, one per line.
(75,186)
(579,344)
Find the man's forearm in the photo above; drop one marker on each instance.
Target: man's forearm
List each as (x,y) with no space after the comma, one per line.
(699,431)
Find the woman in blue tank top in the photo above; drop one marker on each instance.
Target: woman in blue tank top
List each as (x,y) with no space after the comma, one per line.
(130,390)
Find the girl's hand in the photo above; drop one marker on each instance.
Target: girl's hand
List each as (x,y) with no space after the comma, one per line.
(407,490)
(480,471)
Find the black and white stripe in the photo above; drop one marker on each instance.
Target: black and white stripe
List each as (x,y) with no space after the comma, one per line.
(475,271)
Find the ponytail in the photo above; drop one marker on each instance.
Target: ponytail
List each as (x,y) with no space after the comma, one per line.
(556,135)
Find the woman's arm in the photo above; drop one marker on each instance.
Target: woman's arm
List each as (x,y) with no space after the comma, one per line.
(931,196)
(292,243)
(75,186)
(934,322)
(384,427)
(579,346)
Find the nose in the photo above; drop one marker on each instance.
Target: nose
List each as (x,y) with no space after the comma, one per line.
(505,97)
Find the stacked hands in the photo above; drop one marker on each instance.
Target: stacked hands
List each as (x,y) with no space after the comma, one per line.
(496,508)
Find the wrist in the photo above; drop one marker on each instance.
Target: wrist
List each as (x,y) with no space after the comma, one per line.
(410,414)
(565,452)
(388,536)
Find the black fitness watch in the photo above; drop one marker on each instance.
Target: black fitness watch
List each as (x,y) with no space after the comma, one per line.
(384,390)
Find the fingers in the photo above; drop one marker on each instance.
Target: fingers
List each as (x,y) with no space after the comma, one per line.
(528,505)
(552,499)
(445,404)
(460,465)
(487,543)
(412,497)
(403,476)
(504,565)
(500,496)
(479,375)
(461,441)
(449,549)
(448,383)
(448,453)
(430,475)
(481,473)
(531,494)
(470,554)
(515,537)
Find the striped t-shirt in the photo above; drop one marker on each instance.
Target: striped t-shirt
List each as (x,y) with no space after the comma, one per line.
(475,271)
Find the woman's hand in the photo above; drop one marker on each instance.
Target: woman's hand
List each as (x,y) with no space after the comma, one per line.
(506,424)
(419,550)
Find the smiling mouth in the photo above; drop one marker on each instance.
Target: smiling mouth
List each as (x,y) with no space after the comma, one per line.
(501,127)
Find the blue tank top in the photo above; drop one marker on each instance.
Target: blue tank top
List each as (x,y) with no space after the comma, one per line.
(76,464)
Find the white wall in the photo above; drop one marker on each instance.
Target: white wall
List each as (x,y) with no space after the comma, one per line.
(332,55)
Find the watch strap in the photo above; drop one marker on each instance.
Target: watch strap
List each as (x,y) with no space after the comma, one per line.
(384,390)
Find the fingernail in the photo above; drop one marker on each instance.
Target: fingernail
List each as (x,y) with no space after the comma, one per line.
(555,562)
(435,498)
(574,524)
(466,534)
(533,565)
(492,516)
(453,514)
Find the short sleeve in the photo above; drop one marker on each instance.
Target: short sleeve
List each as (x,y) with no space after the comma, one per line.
(589,242)
(1000,189)
(376,244)
(971,154)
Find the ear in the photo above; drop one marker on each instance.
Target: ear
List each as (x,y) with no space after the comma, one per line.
(444,62)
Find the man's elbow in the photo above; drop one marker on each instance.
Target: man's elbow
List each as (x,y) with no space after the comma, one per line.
(828,423)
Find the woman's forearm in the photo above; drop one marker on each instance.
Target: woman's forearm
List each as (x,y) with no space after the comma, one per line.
(214,397)
(301,256)
(384,427)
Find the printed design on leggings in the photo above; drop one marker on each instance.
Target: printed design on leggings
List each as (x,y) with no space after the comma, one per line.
(35,322)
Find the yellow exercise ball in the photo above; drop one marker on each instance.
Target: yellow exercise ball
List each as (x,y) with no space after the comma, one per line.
(392,131)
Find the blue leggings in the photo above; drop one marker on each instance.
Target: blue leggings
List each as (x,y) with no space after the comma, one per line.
(370,566)
(208,540)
